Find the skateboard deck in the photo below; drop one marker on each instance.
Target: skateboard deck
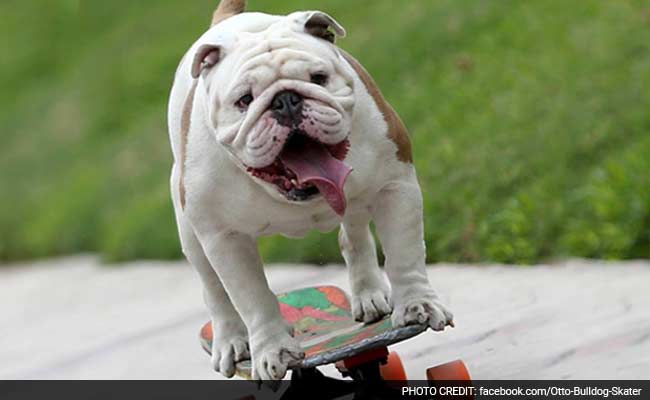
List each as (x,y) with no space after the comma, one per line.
(324,326)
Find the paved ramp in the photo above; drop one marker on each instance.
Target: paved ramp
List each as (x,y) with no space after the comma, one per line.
(72,318)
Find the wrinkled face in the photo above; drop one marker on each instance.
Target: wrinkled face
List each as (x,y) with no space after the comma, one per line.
(281,101)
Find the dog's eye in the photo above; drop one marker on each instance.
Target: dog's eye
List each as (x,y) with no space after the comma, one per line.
(319,79)
(244,101)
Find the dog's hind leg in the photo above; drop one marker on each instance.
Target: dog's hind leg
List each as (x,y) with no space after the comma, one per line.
(370,291)
(230,341)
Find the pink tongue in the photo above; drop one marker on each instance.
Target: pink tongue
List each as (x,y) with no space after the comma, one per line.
(312,163)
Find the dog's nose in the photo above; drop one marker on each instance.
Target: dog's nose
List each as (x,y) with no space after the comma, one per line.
(287,106)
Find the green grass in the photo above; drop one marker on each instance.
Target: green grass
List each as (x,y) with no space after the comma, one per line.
(530,122)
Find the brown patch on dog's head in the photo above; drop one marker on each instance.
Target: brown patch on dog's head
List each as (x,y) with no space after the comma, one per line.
(397,131)
(227,9)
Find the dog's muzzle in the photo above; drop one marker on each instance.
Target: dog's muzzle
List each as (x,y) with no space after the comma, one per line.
(308,145)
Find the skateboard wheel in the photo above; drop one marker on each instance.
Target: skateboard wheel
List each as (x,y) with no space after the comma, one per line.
(451,371)
(206,332)
(393,370)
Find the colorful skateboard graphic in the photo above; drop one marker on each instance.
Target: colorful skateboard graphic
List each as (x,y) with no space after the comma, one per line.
(324,326)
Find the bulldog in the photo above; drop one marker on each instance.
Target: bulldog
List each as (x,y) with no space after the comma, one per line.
(276,130)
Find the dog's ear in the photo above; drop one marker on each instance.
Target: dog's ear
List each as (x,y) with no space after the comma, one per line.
(226,9)
(318,24)
(206,57)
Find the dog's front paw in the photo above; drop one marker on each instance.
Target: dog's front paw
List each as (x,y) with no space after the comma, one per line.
(371,303)
(229,346)
(424,309)
(273,351)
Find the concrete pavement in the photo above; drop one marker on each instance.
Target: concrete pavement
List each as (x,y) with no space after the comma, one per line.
(72,318)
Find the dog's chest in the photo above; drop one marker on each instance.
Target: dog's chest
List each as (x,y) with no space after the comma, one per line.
(265,216)
(300,226)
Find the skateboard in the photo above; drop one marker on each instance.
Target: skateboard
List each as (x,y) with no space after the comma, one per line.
(325,328)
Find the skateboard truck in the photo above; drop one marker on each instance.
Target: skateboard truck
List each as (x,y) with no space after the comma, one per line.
(347,366)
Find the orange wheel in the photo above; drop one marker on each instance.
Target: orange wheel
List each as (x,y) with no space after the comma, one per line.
(451,371)
(206,332)
(393,370)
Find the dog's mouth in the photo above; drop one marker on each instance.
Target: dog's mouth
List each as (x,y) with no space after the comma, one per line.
(306,168)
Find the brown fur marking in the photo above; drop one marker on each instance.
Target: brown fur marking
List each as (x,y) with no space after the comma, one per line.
(186,119)
(226,9)
(396,129)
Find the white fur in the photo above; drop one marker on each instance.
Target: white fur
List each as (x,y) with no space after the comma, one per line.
(227,209)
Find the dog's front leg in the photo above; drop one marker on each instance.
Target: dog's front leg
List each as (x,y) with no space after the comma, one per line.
(236,259)
(370,291)
(398,218)
(230,336)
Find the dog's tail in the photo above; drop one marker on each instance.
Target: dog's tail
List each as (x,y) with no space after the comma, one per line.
(228,8)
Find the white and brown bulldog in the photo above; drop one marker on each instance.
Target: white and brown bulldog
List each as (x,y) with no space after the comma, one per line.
(275,130)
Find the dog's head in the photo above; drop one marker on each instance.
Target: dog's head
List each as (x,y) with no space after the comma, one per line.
(280,99)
